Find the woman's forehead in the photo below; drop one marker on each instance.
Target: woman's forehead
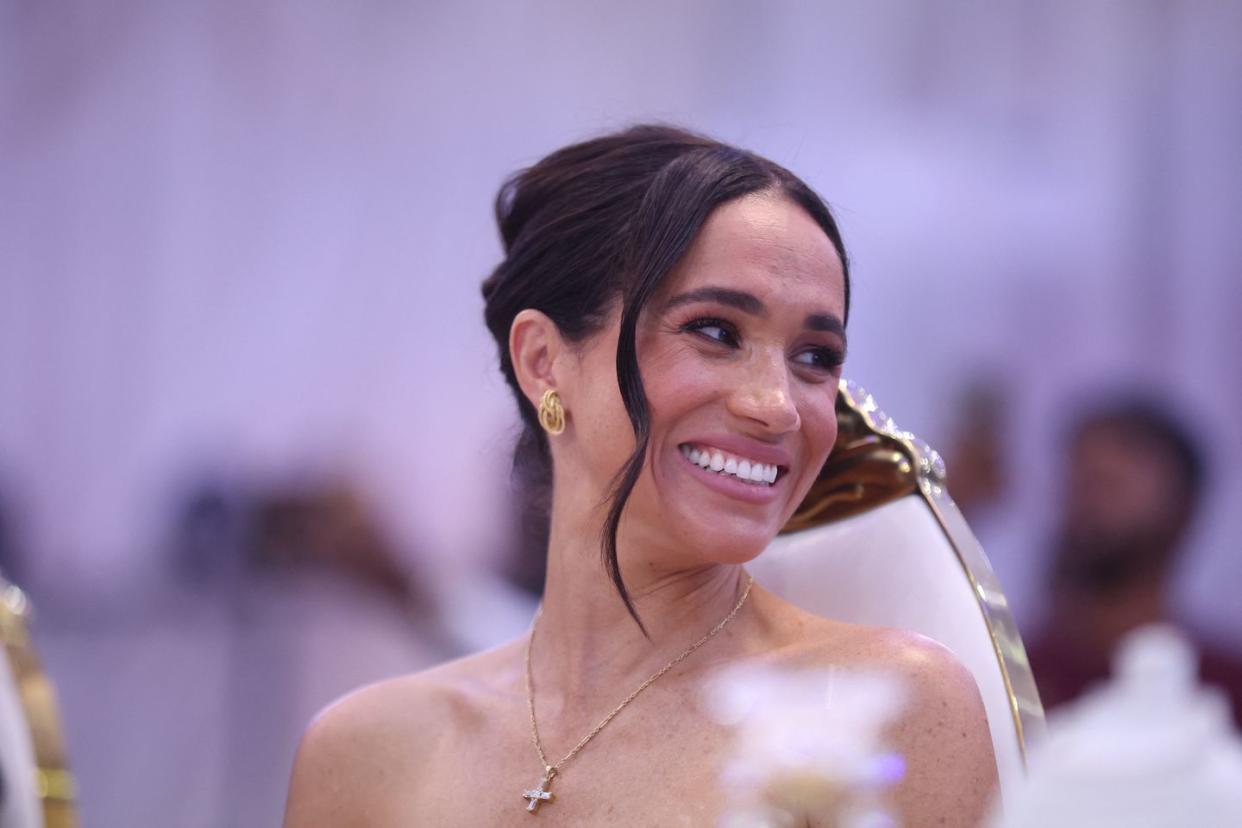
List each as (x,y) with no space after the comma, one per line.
(767,245)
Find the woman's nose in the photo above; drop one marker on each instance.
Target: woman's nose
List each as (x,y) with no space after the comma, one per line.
(763,396)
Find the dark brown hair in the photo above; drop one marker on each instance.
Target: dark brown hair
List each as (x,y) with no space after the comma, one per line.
(603,221)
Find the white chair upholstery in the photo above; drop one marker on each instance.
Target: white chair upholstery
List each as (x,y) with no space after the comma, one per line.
(878,541)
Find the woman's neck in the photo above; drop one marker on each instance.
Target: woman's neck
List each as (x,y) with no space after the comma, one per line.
(588,647)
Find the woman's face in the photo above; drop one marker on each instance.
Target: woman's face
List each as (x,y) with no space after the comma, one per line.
(740,353)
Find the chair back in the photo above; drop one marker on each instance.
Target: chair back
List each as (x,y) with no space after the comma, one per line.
(879,541)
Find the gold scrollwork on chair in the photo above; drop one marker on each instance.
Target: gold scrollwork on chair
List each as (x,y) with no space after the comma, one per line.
(38,698)
(872,463)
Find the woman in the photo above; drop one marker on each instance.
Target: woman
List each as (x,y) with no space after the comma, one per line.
(671,317)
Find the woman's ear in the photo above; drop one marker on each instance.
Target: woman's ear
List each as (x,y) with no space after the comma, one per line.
(535,346)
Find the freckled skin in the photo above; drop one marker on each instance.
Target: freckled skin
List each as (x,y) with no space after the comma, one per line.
(451,746)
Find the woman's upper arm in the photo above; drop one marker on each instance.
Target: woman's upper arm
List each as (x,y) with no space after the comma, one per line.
(348,757)
(319,792)
(950,766)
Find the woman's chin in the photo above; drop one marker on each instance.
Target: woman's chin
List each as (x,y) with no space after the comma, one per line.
(718,544)
(704,527)
(721,519)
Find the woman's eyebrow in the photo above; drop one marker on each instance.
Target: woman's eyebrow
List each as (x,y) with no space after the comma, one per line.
(749,303)
(740,299)
(825,322)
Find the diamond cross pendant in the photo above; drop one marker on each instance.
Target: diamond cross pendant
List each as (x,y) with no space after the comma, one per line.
(539,795)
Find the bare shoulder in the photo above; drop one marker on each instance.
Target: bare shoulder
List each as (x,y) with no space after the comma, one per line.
(929,669)
(379,737)
(943,733)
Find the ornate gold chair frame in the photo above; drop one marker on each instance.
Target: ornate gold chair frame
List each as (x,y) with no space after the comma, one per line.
(49,787)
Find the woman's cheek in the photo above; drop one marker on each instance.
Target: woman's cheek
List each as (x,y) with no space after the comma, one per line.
(820,433)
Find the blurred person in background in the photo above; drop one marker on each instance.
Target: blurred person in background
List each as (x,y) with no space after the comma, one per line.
(1133,482)
(274,595)
(319,598)
(978,473)
(10,558)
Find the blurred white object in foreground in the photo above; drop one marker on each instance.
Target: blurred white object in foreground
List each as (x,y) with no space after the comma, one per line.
(1150,749)
(808,742)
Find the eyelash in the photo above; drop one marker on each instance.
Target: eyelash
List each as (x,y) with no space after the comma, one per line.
(696,326)
(828,359)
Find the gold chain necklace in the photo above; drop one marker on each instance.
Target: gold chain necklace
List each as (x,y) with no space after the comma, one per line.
(542,794)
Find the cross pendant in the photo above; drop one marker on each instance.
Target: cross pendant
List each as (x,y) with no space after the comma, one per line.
(539,795)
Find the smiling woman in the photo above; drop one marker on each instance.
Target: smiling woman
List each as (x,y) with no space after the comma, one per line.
(670,315)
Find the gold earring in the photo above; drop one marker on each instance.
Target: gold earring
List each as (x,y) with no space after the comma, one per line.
(551,412)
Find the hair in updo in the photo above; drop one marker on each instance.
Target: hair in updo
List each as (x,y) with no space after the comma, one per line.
(605,221)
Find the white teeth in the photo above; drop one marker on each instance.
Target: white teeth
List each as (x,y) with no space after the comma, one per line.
(718,461)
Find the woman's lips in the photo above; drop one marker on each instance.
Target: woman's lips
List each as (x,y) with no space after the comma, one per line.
(746,469)
(730,485)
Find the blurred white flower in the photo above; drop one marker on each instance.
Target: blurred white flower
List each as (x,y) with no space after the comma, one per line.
(807,742)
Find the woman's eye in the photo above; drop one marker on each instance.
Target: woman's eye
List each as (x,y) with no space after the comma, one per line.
(827,359)
(715,329)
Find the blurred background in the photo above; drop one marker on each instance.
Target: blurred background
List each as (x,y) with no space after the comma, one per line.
(254,447)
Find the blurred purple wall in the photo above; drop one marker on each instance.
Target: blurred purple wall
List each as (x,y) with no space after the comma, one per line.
(249,241)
